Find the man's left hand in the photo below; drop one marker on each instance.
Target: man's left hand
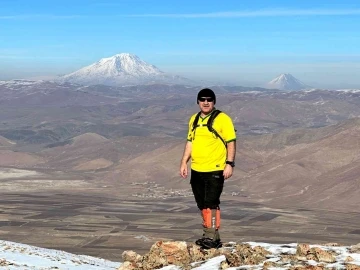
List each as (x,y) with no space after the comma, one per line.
(228,171)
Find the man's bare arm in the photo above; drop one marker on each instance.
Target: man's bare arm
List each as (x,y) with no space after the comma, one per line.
(185,159)
(231,151)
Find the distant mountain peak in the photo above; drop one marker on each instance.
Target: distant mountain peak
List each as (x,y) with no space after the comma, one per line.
(286,81)
(122,69)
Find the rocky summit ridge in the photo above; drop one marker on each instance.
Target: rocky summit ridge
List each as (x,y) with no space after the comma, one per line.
(181,255)
(250,255)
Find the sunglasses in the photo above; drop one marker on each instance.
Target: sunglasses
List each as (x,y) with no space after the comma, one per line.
(203,99)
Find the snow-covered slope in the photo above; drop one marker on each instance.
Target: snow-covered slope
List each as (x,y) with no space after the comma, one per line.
(19,256)
(286,81)
(122,69)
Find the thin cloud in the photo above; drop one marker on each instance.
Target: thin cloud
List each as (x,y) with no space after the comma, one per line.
(12,51)
(225,14)
(26,57)
(39,16)
(263,54)
(106,4)
(258,13)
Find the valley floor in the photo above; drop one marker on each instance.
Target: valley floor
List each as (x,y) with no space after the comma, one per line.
(98,223)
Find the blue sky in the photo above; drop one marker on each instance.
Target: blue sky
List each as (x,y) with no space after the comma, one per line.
(240,41)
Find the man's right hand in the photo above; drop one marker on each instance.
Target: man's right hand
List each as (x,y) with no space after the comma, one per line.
(183,170)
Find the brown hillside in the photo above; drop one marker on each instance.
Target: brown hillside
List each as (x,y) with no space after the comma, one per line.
(88,138)
(160,165)
(5,142)
(91,151)
(319,172)
(18,159)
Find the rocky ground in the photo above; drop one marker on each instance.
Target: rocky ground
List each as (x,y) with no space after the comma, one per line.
(180,255)
(244,255)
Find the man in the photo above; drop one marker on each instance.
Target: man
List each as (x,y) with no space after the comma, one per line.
(212,153)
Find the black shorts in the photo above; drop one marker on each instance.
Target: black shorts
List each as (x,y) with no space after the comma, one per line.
(207,188)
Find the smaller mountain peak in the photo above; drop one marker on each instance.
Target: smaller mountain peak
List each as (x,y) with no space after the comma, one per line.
(286,81)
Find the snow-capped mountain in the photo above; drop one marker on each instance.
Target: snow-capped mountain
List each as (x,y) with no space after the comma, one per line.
(122,69)
(287,81)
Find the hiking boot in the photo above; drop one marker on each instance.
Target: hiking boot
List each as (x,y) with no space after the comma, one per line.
(199,241)
(208,243)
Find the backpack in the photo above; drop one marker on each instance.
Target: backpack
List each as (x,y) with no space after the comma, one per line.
(209,124)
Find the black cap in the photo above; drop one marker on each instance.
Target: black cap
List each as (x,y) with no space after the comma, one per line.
(206,92)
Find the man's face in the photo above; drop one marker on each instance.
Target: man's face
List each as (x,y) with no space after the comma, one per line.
(206,104)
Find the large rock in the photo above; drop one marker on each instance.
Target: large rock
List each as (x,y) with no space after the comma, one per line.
(161,254)
(165,253)
(132,256)
(321,255)
(244,254)
(302,250)
(352,267)
(355,248)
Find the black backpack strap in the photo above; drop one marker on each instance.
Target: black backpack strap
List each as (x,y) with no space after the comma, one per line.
(210,123)
(195,124)
(196,120)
